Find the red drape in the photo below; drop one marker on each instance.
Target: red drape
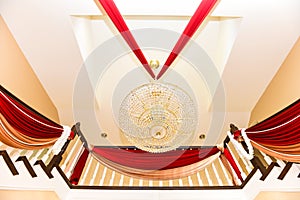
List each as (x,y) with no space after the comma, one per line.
(230,159)
(202,11)
(140,159)
(25,120)
(281,129)
(78,169)
(116,17)
(279,135)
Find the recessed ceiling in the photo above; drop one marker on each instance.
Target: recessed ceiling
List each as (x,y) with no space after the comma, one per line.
(245,42)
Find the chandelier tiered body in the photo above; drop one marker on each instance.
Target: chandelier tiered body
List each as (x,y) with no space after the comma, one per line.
(158,117)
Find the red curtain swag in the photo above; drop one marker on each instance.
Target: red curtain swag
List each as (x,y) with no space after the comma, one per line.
(26,121)
(202,11)
(116,17)
(279,135)
(281,129)
(140,159)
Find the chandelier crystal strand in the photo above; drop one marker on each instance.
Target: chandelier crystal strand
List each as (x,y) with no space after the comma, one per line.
(158,117)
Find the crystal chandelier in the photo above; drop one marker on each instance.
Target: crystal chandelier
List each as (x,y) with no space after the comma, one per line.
(158,117)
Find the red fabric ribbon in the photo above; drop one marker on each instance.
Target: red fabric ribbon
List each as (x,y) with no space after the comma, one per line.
(230,159)
(78,169)
(116,17)
(236,134)
(202,11)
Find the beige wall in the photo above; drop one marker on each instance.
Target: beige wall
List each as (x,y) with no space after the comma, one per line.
(283,90)
(273,195)
(27,195)
(18,77)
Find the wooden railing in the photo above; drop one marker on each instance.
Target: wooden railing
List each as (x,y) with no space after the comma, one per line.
(97,176)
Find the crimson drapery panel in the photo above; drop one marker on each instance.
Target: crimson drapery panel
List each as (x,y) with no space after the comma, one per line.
(22,127)
(162,166)
(116,17)
(149,161)
(279,135)
(25,120)
(202,11)
(230,159)
(77,171)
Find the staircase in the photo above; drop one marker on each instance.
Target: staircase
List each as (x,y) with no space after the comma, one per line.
(29,170)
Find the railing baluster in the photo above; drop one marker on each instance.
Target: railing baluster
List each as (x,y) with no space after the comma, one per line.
(74,161)
(111,181)
(190,181)
(237,163)
(180,182)
(208,177)
(281,163)
(217,175)
(150,183)
(81,181)
(103,175)
(141,182)
(131,181)
(70,154)
(121,180)
(225,172)
(199,179)
(161,183)
(171,183)
(92,181)
(266,158)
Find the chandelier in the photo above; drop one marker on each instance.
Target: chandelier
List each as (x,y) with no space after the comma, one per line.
(158,117)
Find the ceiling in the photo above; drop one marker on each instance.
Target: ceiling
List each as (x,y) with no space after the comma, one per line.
(77,54)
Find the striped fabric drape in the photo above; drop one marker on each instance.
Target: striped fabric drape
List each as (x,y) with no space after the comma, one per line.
(279,135)
(168,165)
(22,127)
